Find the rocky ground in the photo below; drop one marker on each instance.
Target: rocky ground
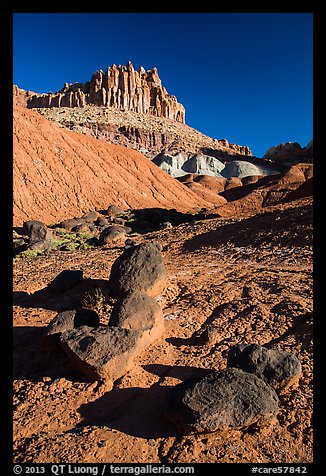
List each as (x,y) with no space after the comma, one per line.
(229,280)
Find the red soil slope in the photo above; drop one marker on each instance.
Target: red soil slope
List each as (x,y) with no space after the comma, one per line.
(59,174)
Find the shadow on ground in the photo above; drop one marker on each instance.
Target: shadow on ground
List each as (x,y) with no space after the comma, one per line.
(47,298)
(135,411)
(138,411)
(181,372)
(32,360)
(288,227)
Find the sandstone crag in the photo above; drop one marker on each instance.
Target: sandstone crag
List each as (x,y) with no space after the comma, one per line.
(120,87)
(20,96)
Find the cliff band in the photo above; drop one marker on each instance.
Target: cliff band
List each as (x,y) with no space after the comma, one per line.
(121,87)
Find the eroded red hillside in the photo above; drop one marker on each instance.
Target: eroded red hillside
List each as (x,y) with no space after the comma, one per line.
(60,174)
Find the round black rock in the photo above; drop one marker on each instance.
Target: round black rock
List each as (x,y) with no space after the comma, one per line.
(230,398)
(278,368)
(138,268)
(68,320)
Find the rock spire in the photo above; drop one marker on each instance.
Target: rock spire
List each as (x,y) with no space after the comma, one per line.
(121,87)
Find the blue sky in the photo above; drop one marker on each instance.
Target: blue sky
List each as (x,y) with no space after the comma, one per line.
(246,77)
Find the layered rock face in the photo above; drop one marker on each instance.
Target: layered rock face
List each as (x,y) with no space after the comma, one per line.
(120,87)
(146,133)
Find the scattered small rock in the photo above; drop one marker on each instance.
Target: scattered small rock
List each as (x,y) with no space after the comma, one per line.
(93,228)
(170,317)
(130,242)
(111,233)
(166,225)
(114,211)
(210,336)
(17,243)
(119,221)
(158,245)
(127,229)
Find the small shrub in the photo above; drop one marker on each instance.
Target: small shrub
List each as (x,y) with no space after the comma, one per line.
(85,246)
(84,235)
(30,254)
(72,246)
(56,243)
(97,299)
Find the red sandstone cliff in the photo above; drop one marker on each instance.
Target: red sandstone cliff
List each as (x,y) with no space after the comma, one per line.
(121,87)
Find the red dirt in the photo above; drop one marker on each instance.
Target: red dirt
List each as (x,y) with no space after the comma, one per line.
(59,174)
(248,278)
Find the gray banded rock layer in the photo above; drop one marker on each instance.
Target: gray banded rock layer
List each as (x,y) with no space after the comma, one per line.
(184,163)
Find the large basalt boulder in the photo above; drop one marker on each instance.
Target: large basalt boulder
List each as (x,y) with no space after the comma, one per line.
(114,211)
(70,223)
(90,217)
(28,224)
(39,245)
(278,368)
(102,222)
(138,268)
(82,228)
(103,353)
(139,312)
(230,398)
(66,321)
